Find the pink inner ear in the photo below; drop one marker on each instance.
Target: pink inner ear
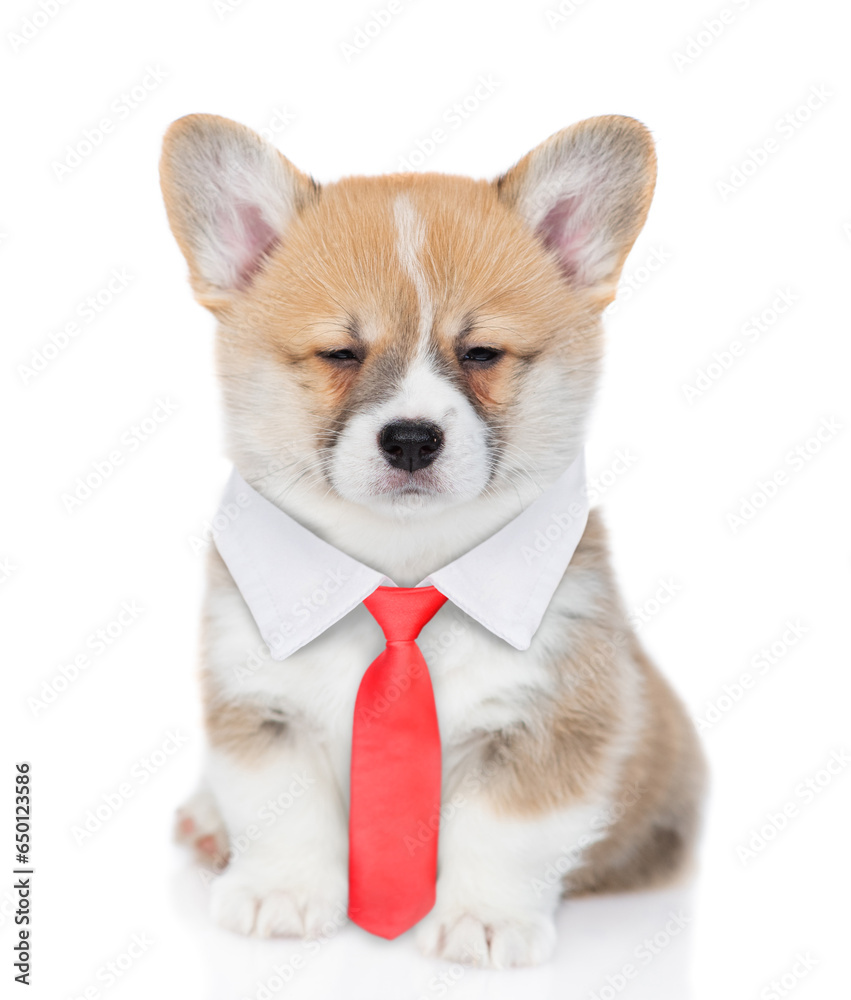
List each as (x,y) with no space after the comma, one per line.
(248,238)
(562,233)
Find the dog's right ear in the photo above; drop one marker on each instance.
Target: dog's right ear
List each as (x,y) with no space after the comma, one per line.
(229,196)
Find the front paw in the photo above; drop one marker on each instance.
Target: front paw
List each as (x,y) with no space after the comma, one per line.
(490,942)
(250,903)
(199,826)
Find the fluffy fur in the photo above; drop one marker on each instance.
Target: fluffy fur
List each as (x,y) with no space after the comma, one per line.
(474,306)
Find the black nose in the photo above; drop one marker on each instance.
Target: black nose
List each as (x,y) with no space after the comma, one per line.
(410,445)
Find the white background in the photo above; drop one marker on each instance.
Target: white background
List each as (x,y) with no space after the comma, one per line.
(786,227)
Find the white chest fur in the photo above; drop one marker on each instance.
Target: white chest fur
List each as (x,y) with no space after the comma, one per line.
(480,682)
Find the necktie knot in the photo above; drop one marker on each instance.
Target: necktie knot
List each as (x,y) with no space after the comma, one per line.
(403,611)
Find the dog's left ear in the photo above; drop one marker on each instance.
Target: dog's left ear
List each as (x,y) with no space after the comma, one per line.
(585,192)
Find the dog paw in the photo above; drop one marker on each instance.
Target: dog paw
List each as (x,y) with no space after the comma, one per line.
(239,904)
(199,826)
(489,943)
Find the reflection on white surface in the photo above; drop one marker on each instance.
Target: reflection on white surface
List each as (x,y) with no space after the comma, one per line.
(634,946)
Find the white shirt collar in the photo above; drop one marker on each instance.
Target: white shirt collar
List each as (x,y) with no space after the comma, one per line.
(296,585)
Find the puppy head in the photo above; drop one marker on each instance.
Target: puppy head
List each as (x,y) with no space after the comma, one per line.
(412,341)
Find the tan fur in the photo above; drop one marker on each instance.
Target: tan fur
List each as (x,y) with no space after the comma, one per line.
(244,730)
(494,283)
(569,744)
(335,281)
(481,262)
(654,841)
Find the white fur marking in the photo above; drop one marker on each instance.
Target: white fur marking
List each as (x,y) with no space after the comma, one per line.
(410,239)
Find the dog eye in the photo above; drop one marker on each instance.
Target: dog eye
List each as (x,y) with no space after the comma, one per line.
(482,355)
(342,355)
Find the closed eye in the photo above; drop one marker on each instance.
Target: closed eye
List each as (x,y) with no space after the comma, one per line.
(343,355)
(481,355)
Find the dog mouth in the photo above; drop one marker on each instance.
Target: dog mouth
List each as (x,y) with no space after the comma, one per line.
(408,484)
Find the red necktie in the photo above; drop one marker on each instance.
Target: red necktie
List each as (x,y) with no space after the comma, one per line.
(395,779)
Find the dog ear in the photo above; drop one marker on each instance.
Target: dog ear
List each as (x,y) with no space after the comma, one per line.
(229,197)
(585,192)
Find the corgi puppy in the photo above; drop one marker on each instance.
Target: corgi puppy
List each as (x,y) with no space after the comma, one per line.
(470,308)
